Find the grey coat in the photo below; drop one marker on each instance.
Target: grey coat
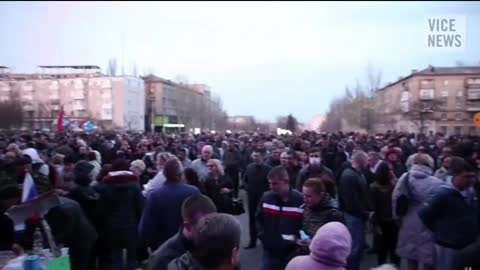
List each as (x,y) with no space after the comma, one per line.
(415,241)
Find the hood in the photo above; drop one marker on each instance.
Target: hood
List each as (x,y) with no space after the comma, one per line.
(119,177)
(421,171)
(33,154)
(331,245)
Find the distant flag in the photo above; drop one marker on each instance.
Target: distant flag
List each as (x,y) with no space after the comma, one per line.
(29,191)
(60,120)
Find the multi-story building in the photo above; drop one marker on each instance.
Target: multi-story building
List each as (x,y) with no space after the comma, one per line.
(111,102)
(173,105)
(241,123)
(437,99)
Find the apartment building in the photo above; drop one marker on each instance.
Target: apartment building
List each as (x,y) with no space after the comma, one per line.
(437,99)
(174,106)
(110,102)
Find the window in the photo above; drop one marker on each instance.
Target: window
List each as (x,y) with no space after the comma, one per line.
(78,84)
(443,130)
(107,112)
(443,116)
(472,131)
(425,83)
(54,85)
(426,94)
(459,103)
(445,93)
(458,116)
(458,130)
(460,93)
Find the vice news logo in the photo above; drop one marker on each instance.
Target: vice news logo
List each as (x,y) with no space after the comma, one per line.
(446,32)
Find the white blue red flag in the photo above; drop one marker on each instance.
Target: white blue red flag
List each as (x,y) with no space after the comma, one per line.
(29,191)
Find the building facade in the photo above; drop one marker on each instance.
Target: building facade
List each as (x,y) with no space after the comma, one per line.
(437,99)
(174,106)
(110,102)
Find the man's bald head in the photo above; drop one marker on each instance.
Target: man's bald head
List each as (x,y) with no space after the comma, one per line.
(207,152)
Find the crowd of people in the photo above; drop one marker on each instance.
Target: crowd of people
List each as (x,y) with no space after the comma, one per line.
(162,201)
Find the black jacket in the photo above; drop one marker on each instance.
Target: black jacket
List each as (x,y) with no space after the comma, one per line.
(124,203)
(275,217)
(175,247)
(232,160)
(255,177)
(319,215)
(92,205)
(353,193)
(451,219)
(213,191)
(293,174)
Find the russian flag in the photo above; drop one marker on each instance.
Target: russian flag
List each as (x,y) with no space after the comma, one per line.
(29,191)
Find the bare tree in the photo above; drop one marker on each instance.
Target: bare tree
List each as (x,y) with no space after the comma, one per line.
(422,111)
(112,67)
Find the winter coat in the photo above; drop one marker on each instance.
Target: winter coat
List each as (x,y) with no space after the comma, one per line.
(317,216)
(293,174)
(124,203)
(329,249)
(353,193)
(232,160)
(162,214)
(415,241)
(175,247)
(276,217)
(441,174)
(213,187)
(451,217)
(382,201)
(255,177)
(92,205)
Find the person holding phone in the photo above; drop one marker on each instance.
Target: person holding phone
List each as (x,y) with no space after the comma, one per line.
(279,218)
(319,208)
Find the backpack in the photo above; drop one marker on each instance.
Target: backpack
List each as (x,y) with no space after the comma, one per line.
(403,200)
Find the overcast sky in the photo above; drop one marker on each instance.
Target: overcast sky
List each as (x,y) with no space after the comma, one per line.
(263,58)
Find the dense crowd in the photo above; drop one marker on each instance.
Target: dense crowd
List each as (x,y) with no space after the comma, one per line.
(163,201)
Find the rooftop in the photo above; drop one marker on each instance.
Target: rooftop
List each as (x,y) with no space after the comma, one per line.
(74,67)
(438,71)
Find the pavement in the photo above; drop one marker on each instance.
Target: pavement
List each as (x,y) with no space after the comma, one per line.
(251,259)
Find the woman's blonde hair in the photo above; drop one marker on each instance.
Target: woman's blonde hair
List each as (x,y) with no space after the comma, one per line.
(219,165)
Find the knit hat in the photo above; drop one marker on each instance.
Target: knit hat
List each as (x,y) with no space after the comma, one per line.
(139,164)
(82,171)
